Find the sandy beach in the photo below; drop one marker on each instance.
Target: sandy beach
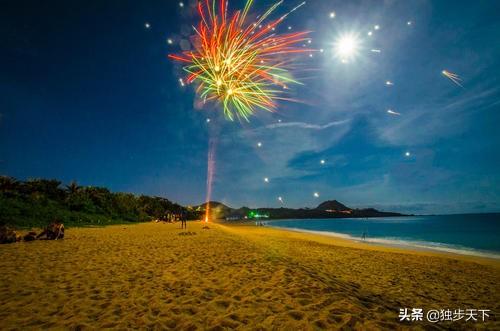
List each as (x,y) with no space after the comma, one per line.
(232,277)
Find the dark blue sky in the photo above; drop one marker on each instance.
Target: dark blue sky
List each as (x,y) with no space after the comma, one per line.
(89,95)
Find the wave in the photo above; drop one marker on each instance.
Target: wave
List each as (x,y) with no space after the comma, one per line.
(396,242)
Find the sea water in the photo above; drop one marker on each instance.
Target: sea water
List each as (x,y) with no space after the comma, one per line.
(472,234)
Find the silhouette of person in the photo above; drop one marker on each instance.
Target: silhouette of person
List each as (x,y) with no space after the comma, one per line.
(183,221)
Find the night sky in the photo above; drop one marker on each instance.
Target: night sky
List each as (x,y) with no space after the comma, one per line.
(88,94)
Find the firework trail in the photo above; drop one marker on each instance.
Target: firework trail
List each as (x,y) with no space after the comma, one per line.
(241,64)
(210,176)
(453,77)
(392,112)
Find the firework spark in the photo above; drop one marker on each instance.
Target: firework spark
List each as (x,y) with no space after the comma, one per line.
(392,112)
(243,65)
(453,77)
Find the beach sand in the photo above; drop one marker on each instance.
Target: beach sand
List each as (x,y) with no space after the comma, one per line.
(232,276)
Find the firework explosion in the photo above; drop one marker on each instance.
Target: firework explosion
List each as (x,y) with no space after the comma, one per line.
(244,65)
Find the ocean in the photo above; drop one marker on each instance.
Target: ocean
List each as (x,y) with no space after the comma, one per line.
(471,234)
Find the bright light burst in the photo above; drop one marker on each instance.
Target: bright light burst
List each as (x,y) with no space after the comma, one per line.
(347,47)
(239,63)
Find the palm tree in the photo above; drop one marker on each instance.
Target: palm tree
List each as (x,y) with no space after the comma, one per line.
(72,188)
(8,183)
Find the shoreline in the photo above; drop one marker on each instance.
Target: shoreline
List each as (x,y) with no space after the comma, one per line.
(343,240)
(401,244)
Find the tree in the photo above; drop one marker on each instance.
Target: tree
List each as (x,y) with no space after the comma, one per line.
(72,188)
(9,185)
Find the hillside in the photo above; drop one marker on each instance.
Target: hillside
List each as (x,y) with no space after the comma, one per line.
(36,202)
(332,205)
(327,209)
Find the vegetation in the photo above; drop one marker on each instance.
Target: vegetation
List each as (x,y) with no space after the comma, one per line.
(37,202)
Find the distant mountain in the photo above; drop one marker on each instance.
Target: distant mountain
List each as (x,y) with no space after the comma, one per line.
(327,209)
(217,209)
(213,204)
(332,205)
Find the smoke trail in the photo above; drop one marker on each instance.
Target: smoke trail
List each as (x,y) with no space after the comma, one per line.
(212,143)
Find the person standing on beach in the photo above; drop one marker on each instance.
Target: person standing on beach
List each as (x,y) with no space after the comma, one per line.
(183,221)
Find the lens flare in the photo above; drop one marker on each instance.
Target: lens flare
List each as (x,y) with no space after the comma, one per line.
(242,64)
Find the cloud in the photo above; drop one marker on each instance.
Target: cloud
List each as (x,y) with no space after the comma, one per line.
(430,121)
(303,125)
(248,165)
